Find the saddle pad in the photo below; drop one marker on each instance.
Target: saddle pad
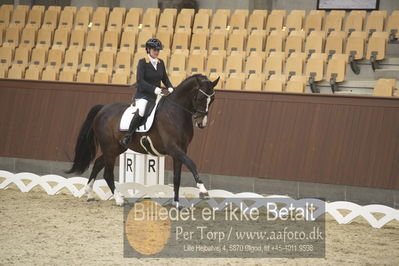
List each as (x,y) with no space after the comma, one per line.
(128,116)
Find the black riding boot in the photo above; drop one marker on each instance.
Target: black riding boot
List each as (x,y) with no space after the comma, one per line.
(134,124)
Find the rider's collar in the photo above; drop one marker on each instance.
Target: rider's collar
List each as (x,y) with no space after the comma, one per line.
(149,59)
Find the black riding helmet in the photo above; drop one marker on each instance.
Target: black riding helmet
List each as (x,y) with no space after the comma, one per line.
(154,44)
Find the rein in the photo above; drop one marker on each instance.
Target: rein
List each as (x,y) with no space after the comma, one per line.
(196,111)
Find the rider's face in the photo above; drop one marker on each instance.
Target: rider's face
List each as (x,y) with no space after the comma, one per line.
(154,53)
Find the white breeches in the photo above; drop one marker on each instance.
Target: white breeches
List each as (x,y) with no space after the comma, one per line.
(141,105)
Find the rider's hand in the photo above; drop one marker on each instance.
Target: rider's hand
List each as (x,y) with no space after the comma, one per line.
(158,91)
(170,89)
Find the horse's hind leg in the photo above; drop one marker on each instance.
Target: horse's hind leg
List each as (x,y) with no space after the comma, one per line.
(97,167)
(109,178)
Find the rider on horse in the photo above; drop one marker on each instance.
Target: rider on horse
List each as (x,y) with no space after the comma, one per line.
(150,72)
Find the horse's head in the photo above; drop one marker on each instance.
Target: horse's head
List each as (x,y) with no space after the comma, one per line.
(204,96)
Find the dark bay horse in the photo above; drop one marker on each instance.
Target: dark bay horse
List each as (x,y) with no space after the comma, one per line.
(171,133)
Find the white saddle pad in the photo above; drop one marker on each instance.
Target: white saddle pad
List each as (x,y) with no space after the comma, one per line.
(128,116)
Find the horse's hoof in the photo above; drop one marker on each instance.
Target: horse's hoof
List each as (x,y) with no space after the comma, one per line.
(90,199)
(204,195)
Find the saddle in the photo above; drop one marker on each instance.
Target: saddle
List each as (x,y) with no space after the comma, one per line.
(149,116)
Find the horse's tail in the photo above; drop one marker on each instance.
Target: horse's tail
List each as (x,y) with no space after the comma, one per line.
(86,146)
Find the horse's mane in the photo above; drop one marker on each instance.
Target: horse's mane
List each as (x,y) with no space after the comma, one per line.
(190,78)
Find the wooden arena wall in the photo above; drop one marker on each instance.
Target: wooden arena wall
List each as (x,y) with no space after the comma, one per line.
(333,139)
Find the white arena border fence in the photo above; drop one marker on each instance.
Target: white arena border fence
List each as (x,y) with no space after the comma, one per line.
(165,191)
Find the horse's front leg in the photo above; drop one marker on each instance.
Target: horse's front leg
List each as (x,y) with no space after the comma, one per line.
(177,164)
(183,158)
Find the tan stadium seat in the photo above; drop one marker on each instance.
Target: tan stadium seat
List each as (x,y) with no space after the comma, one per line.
(274,64)
(274,22)
(119,78)
(375,23)
(254,83)
(21,57)
(19,16)
(67,75)
(295,20)
(334,22)
(50,74)
(256,22)
(32,73)
(314,43)
(188,12)
(254,65)
(101,77)
(234,64)
(181,41)
(184,21)
(177,63)
(164,55)
(393,26)
(166,38)
(38,58)
(201,23)
(56,9)
(82,20)
(196,63)
(115,20)
(207,11)
(40,8)
(313,22)
(336,70)
(150,20)
(166,21)
(123,62)
(237,21)
(217,42)
(5,15)
(199,43)
(294,65)
(384,87)
(138,10)
(6,56)
(242,12)
(144,35)
(34,19)
(106,62)
(128,42)
(262,12)
(111,41)
(55,59)
(354,22)
(99,20)
(256,43)
(235,82)
(66,19)
(295,41)
(15,72)
(315,69)
(219,22)
(44,38)
(274,42)
(236,42)
(355,47)
(12,37)
(78,39)
(281,12)
(335,43)
(177,77)
(296,84)
(89,61)
(132,20)
(28,38)
(94,40)
(72,9)
(103,9)
(215,63)
(50,19)
(71,60)
(376,48)
(275,83)
(132,79)
(61,39)
(227,12)
(2,29)
(341,13)
(84,76)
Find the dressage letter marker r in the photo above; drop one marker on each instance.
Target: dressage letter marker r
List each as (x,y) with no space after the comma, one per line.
(151,165)
(129,163)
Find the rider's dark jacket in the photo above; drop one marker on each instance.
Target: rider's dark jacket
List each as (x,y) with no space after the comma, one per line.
(148,78)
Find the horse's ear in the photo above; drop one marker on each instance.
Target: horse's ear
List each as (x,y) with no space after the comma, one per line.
(214,83)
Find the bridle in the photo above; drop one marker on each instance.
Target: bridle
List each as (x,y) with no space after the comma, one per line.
(196,111)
